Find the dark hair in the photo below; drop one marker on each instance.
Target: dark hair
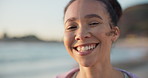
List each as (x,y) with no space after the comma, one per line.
(112,6)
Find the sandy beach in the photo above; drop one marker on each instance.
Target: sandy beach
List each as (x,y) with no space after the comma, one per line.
(141,71)
(140,66)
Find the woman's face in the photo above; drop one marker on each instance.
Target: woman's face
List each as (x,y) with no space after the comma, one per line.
(87,35)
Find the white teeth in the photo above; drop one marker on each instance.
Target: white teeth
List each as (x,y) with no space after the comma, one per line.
(86,48)
(92,46)
(78,48)
(89,47)
(82,48)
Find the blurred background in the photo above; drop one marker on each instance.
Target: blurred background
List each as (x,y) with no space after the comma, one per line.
(31,33)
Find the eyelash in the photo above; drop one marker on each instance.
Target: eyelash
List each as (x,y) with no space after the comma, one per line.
(71,27)
(94,23)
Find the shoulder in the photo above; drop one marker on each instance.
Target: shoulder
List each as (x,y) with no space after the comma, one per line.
(68,74)
(131,75)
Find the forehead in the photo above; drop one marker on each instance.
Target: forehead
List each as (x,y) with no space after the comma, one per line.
(80,8)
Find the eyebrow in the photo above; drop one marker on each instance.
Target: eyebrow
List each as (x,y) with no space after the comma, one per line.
(71,19)
(87,16)
(92,16)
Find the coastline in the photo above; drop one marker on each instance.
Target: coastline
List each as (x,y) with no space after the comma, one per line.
(133,42)
(137,66)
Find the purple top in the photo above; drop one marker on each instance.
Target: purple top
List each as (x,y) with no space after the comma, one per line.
(73,71)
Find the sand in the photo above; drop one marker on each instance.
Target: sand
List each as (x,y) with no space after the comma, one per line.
(138,67)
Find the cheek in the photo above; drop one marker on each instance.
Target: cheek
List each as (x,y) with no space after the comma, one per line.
(68,40)
(100,33)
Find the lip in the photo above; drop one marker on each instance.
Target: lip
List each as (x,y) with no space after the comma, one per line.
(85,44)
(85,52)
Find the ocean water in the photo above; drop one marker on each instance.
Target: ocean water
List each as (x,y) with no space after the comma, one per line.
(46,60)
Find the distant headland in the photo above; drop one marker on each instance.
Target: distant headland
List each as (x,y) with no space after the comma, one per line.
(26,38)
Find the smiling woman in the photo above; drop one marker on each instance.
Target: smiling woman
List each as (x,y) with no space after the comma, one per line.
(90,29)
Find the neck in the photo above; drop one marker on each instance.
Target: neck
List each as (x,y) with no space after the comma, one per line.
(99,71)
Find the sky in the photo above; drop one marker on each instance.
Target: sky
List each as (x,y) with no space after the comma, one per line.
(43,18)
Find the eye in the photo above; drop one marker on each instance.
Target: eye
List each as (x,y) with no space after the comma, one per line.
(94,23)
(71,28)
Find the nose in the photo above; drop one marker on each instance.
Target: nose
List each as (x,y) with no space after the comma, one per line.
(82,34)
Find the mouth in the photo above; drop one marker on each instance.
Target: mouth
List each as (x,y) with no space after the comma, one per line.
(85,49)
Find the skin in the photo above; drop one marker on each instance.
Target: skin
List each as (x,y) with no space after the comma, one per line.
(85,25)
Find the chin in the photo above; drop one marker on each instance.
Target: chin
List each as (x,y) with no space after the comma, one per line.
(86,64)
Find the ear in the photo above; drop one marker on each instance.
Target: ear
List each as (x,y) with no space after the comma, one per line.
(116,33)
